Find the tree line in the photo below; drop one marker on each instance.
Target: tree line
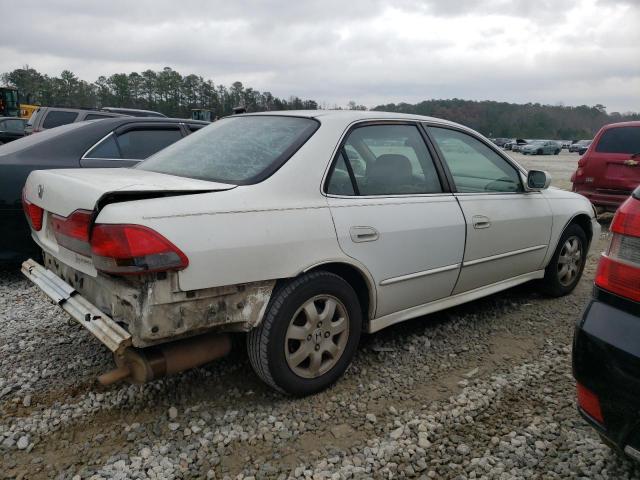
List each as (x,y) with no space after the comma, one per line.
(165,91)
(174,94)
(532,120)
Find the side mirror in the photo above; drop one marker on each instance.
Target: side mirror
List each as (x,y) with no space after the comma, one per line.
(538,180)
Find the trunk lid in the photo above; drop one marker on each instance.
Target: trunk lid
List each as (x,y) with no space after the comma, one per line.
(63,191)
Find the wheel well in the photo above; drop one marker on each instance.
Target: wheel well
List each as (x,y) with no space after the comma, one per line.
(584,222)
(356,279)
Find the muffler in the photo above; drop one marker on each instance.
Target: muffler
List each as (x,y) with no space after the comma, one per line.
(141,365)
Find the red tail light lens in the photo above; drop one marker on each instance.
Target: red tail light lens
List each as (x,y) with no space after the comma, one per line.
(133,249)
(619,268)
(589,402)
(33,212)
(627,219)
(72,232)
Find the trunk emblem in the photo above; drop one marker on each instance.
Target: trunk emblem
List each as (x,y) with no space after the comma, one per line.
(40,191)
(631,163)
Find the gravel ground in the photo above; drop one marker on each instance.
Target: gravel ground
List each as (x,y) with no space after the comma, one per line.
(483,390)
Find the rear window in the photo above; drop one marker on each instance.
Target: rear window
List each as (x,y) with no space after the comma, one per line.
(56,118)
(33,140)
(620,140)
(238,150)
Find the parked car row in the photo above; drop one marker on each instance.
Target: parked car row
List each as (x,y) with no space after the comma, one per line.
(541,147)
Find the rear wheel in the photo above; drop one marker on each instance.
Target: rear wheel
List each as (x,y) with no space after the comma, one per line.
(539,152)
(309,334)
(556,152)
(565,268)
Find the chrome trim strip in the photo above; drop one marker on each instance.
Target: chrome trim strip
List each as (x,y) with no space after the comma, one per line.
(84,156)
(424,273)
(503,255)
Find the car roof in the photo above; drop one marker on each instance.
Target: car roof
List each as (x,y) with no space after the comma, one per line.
(13,118)
(632,123)
(354,115)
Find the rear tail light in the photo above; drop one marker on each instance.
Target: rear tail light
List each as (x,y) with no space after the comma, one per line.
(133,249)
(619,268)
(590,403)
(72,232)
(33,212)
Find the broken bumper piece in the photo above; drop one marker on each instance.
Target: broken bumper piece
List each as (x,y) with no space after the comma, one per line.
(79,308)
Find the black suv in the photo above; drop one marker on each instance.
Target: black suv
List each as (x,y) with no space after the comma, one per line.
(606,346)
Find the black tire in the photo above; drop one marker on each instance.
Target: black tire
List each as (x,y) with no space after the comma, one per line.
(552,284)
(539,152)
(557,152)
(266,343)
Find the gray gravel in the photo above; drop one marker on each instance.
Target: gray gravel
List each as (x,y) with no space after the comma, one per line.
(479,391)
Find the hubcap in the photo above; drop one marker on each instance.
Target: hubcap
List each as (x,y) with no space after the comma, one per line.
(569,261)
(317,336)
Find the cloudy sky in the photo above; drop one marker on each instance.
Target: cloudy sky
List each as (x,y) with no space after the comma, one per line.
(372,51)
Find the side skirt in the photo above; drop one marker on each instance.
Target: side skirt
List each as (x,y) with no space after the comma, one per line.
(447,302)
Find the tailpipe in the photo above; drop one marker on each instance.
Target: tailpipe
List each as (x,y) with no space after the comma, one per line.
(141,365)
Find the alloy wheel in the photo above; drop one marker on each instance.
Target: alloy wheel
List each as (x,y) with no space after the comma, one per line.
(317,336)
(569,261)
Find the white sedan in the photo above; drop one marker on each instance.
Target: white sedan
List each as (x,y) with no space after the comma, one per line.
(302,229)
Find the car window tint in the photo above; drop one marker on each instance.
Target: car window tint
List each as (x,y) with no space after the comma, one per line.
(620,140)
(56,118)
(340,180)
(13,125)
(96,116)
(107,148)
(391,160)
(140,144)
(194,128)
(474,166)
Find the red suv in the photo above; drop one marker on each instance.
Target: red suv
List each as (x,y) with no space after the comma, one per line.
(610,169)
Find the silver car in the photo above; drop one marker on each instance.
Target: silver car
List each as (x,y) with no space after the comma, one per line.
(541,147)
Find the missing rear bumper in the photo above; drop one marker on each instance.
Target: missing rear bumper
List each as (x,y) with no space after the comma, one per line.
(79,308)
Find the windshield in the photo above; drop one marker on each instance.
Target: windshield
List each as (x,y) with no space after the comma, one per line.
(239,150)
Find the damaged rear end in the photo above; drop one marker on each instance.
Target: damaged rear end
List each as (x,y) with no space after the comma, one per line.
(121,280)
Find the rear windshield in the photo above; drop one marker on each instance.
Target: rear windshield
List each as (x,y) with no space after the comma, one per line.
(37,138)
(239,150)
(620,140)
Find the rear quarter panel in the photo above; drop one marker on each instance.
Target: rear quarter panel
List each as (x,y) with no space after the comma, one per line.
(238,236)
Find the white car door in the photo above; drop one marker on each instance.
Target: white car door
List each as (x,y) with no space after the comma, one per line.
(508,229)
(394,214)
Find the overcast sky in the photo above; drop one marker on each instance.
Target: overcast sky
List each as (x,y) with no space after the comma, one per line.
(549,51)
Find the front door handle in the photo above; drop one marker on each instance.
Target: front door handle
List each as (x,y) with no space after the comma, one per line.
(480,221)
(363,234)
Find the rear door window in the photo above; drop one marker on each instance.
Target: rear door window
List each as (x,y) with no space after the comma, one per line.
(139,144)
(55,118)
(620,140)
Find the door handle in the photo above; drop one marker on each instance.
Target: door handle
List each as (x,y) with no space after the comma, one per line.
(363,234)
(480,222)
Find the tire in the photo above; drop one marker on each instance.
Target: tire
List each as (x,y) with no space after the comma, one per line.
(539,152)
(557,280)
(557,152)
(286,363)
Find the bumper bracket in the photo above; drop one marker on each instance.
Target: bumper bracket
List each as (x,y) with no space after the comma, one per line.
(79,308)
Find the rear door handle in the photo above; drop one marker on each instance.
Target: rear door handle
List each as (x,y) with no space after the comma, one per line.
(363,234)
(480,222)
